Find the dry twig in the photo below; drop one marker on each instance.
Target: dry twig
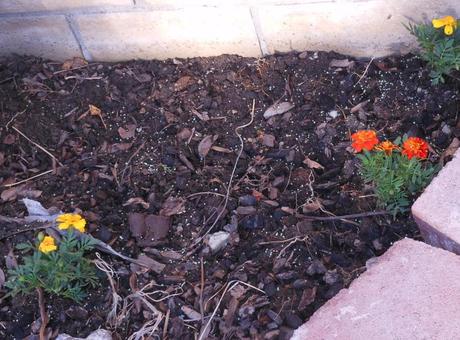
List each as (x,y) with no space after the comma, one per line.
(43,315)
(229,186)
(37,145)
(228,287)
(28,179)
(343,217)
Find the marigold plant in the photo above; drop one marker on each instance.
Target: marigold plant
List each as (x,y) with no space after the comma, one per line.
(66,221)
(58,268)
(440,45)
(364,140)
(48,244)
(397,172)
(415,147)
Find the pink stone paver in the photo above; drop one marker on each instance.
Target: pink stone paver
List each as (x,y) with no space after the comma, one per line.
(437,210)
(412,292)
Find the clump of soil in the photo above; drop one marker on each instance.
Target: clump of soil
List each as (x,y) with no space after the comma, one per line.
(146,151)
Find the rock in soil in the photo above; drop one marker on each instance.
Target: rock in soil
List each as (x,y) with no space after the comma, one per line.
(218,241)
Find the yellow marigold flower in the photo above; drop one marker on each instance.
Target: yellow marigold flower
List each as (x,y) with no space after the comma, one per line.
(387,147)
(448,22)
(65,221)
(47,245)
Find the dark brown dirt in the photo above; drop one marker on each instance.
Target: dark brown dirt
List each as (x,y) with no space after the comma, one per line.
(298,264)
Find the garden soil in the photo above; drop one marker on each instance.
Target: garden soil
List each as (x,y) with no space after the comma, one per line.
(149,152)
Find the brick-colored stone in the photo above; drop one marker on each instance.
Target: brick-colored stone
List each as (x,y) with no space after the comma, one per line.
(437,210)
(166,34)
(48,37)
(410,292)
(10,6)
(362,29)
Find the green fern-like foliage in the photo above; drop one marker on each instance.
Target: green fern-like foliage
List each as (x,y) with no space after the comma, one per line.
(440,51)
(65,272)
(395,178)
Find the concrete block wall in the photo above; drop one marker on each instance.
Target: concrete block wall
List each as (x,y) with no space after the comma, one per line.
(115,30)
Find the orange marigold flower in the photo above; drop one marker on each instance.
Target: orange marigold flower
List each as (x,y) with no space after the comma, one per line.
(387,147)
(75,221)
(364,140)
(47,245)
(415,147)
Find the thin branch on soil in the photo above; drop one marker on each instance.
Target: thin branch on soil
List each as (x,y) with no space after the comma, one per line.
(13,220)
(43,315)
(229,186)
(7,219)
(291,241)
(228,287)
(166,324)
(28,179)
(37,145)
(205,193)
(201,291)
(365,71)
(152,325)
(112,318)
(129,161)
(288,180)
(14,117)
(73,69)
(334,218)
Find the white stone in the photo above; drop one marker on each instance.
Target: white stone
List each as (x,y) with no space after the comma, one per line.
(218,241)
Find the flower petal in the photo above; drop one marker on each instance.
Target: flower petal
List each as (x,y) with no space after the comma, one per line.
(448,29)
(438,23)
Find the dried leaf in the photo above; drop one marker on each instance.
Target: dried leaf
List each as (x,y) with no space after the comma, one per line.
(359,107)
(278,109)
(94,110)
(173,206)
(119,147)
(205,145)
(271,203)
(127,132)
(202,116)
(342,63)
(136,222)
(308,297)
(312,206)
(184,134)
(148,229)
(2,158)
(20,191)
(288,210)
(137,200)
(75,62)
(221,149)
(187,163)
(9,194)
(149,263)
(182,83)
(191,313)
(170,117)
(312,164)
